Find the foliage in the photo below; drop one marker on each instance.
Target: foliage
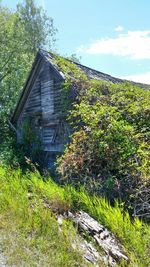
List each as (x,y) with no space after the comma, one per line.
(73,57)
(110,148)
(39,28)
(28,206)
(134,235)
(28,150)
(29,28)
(31,143)
(74,79)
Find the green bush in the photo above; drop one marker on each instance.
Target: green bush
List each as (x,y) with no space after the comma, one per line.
(110,148)
(23,153)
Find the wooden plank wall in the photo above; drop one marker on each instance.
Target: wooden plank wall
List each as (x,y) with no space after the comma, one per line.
(44,102)
(47,98)
(47,106)
(33,104)
(32,107)
(57,96)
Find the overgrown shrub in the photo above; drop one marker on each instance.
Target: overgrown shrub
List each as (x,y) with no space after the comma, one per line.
(110,148)
(28,150)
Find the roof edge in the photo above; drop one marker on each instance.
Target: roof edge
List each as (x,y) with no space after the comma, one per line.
(43,55)
(26,87)
(111,77)
(40,56)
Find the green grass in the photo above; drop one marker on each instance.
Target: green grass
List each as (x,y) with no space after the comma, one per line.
(30,232)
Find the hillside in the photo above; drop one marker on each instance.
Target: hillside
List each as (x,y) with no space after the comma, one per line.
(106,161)
(30,228)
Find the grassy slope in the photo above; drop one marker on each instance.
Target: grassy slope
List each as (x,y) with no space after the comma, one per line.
(31,236)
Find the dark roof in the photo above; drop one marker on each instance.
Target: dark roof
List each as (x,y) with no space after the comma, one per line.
(92,73)
(49,57)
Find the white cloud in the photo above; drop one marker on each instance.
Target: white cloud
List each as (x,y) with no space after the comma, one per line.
(133,44)
(142,78)
(119,28)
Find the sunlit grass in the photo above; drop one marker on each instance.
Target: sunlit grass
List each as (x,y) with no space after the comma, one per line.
(28,208)
(30,232)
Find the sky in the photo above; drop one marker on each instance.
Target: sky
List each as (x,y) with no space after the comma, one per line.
(112,36)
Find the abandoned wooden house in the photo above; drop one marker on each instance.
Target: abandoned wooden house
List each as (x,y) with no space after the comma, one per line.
(40,101)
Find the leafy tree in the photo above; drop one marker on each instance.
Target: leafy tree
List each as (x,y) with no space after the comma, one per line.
(74,58)
(21,34)
(38,27)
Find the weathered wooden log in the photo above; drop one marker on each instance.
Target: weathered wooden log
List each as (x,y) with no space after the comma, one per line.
(104,238)
(89,252)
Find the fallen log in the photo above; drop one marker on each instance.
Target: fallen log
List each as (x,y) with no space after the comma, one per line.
(104,238)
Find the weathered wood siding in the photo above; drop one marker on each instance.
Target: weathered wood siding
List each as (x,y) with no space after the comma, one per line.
(32,107)
(47,92)
(57,96)
(33,104)
(43,107)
